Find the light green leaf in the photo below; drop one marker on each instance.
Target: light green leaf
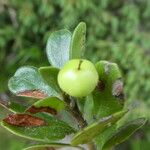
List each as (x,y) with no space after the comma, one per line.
(57,146)
(102,137)
(52,131)
(91,131)
(77,47)
(49,74)
(28,82)
(57,48)
(124,132)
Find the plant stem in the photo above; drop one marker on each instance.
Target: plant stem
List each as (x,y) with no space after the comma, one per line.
(74,111)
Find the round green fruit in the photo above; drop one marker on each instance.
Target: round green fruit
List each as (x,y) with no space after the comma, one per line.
(78,77)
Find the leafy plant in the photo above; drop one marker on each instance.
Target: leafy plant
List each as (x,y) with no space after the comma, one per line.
(97,116)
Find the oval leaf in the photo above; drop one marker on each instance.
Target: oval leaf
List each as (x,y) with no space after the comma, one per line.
(53,147)
(107,96)
(28,82)
(88,133)
(49,74)
(57,48)
(77,47)
(52,131)
(50,105)
(124,132)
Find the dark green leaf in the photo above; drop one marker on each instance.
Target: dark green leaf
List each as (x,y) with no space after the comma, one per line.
(91,131)
(122,133)
(28,82)
(78,41)
(16,107)
(52,131)
(49,74)
(105,100)
(57,48)
(13,106)
(50,105)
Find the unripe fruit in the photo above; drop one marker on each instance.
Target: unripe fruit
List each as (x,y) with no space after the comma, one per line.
(78,77)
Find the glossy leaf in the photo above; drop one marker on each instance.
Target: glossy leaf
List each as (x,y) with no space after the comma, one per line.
(57,48)
(77,47)
(51,104)
(91,131)
(49,74)
(52,131)
(28,82)
(53,147)
(122,133)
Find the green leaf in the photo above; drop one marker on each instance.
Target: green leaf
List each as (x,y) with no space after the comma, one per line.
(57,47)
(16,108)
(13,106)
(107,96)
(91,131)
(52,131)
(28,82)
(102,137)
(124,132)
(88,109)
(77,47)
(56,146)
(52,105)
(49,74)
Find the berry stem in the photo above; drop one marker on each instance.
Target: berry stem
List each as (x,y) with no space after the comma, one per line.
(79,66)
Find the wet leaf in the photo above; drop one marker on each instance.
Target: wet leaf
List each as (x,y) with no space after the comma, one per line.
(53,147)
(124,132)
(28,82)
(49,74)
(52,131)
(57,48)
(77,47)
(91,131)
(51,105)
(24,120)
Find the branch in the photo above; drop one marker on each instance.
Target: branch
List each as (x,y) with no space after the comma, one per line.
(73,109)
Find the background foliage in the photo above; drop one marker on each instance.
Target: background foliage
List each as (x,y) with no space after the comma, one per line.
(118,31)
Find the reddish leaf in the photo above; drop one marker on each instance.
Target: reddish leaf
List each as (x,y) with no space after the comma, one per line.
(24,120)
(34,110)
(33,93)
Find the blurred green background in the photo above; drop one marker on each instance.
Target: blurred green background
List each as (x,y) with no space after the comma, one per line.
(117,30)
